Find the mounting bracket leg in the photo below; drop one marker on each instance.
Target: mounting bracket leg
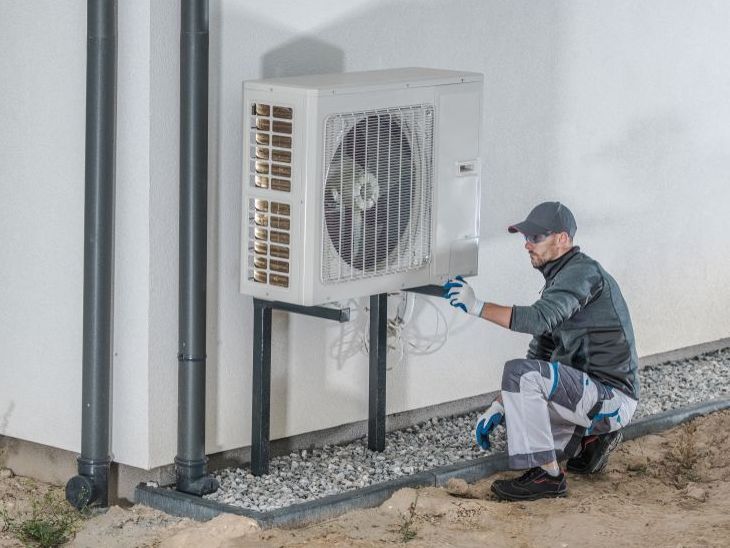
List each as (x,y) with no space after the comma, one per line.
(261,399)
(262,368)
(261,388)
(378,361)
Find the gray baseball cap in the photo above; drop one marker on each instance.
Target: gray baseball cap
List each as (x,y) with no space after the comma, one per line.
(546,217)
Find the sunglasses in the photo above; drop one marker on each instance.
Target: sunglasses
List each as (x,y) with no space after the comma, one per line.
(537,238)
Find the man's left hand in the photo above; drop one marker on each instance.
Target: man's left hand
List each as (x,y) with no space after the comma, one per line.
(461,295)
(487,422)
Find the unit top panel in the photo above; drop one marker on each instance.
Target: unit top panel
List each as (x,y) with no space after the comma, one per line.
(354,82)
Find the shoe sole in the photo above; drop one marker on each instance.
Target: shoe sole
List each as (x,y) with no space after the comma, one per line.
(602,462)
(536,496)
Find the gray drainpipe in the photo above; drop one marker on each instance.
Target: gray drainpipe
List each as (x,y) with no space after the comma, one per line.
(91,486)
(191,462)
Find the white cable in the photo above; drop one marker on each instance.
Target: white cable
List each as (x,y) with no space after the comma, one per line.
(403,337)
(350,339)
(421,345)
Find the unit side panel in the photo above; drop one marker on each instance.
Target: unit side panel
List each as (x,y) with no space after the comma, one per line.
(458,188)
(272,178)
(309,202)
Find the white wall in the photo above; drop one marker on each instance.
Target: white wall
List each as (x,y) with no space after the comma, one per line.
(42,117)
(41,226)
(618,109)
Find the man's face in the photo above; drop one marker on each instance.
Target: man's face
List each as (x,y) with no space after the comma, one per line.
(547,250)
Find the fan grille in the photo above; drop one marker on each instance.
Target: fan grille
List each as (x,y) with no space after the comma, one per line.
(377,192)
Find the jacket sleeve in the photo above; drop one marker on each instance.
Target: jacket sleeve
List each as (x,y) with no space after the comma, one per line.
(571,290)
(541,348)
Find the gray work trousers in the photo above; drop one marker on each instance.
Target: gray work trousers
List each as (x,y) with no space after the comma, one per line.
(549,407)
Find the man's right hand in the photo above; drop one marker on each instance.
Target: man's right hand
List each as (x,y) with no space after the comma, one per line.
(487,422)
(461,295)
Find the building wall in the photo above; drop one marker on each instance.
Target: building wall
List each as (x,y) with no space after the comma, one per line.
(42,139)
(617,109)
(41,182)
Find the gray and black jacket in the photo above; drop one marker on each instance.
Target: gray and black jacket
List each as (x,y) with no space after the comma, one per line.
(582,320)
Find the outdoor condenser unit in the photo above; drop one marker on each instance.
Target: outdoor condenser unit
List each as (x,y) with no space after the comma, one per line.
(359,183)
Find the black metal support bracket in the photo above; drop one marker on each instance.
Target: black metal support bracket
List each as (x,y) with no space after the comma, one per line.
(430,290)
(261,412)
(261,387)
(378,359)
(378,363)
(260,427)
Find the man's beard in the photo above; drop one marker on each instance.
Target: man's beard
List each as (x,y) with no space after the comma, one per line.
(536,261)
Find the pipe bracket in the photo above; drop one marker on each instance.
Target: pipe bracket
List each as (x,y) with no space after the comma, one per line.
(189,358)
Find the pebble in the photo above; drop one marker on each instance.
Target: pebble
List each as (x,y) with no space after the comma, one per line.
(308,474)
(697,493)
(457,486)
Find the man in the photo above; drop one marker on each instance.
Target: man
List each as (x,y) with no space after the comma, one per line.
(578,385)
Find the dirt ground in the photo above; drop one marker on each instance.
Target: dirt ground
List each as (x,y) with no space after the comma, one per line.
(665,490)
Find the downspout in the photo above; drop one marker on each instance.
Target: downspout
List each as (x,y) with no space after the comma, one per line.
(91,486)
(191,462)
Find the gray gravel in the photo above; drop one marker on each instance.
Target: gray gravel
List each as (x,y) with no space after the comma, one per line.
(679,383)
(310,474)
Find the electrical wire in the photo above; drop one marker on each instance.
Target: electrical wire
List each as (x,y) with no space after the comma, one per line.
(350,340)
(404,337)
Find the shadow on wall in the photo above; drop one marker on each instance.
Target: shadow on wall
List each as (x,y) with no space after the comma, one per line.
(305,55)
(5,418)
(285,55)
(516,45)
(297,57)
(212,302)
(6,444)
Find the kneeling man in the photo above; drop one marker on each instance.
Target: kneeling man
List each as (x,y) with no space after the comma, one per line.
(578,385)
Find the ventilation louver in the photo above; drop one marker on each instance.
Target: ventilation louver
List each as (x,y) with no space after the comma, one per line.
(270,221)
(271,128)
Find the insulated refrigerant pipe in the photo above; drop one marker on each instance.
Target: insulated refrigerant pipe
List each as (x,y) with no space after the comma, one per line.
(191,462)
(91,486)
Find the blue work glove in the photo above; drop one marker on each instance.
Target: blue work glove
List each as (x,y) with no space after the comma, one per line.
(461,295)
(487,422)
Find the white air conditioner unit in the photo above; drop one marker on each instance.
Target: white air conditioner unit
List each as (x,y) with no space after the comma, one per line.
(359,183)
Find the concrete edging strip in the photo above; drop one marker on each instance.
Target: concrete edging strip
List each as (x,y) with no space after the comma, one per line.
(184,505)
(668,419)
(190,506)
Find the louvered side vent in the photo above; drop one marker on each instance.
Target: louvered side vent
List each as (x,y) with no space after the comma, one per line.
(269,242)
(377,195)
(271,147)
(270,221)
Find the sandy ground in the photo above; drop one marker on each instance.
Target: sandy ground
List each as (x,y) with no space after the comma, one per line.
(666,490)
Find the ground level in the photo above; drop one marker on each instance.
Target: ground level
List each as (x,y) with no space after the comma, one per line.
(664,490)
